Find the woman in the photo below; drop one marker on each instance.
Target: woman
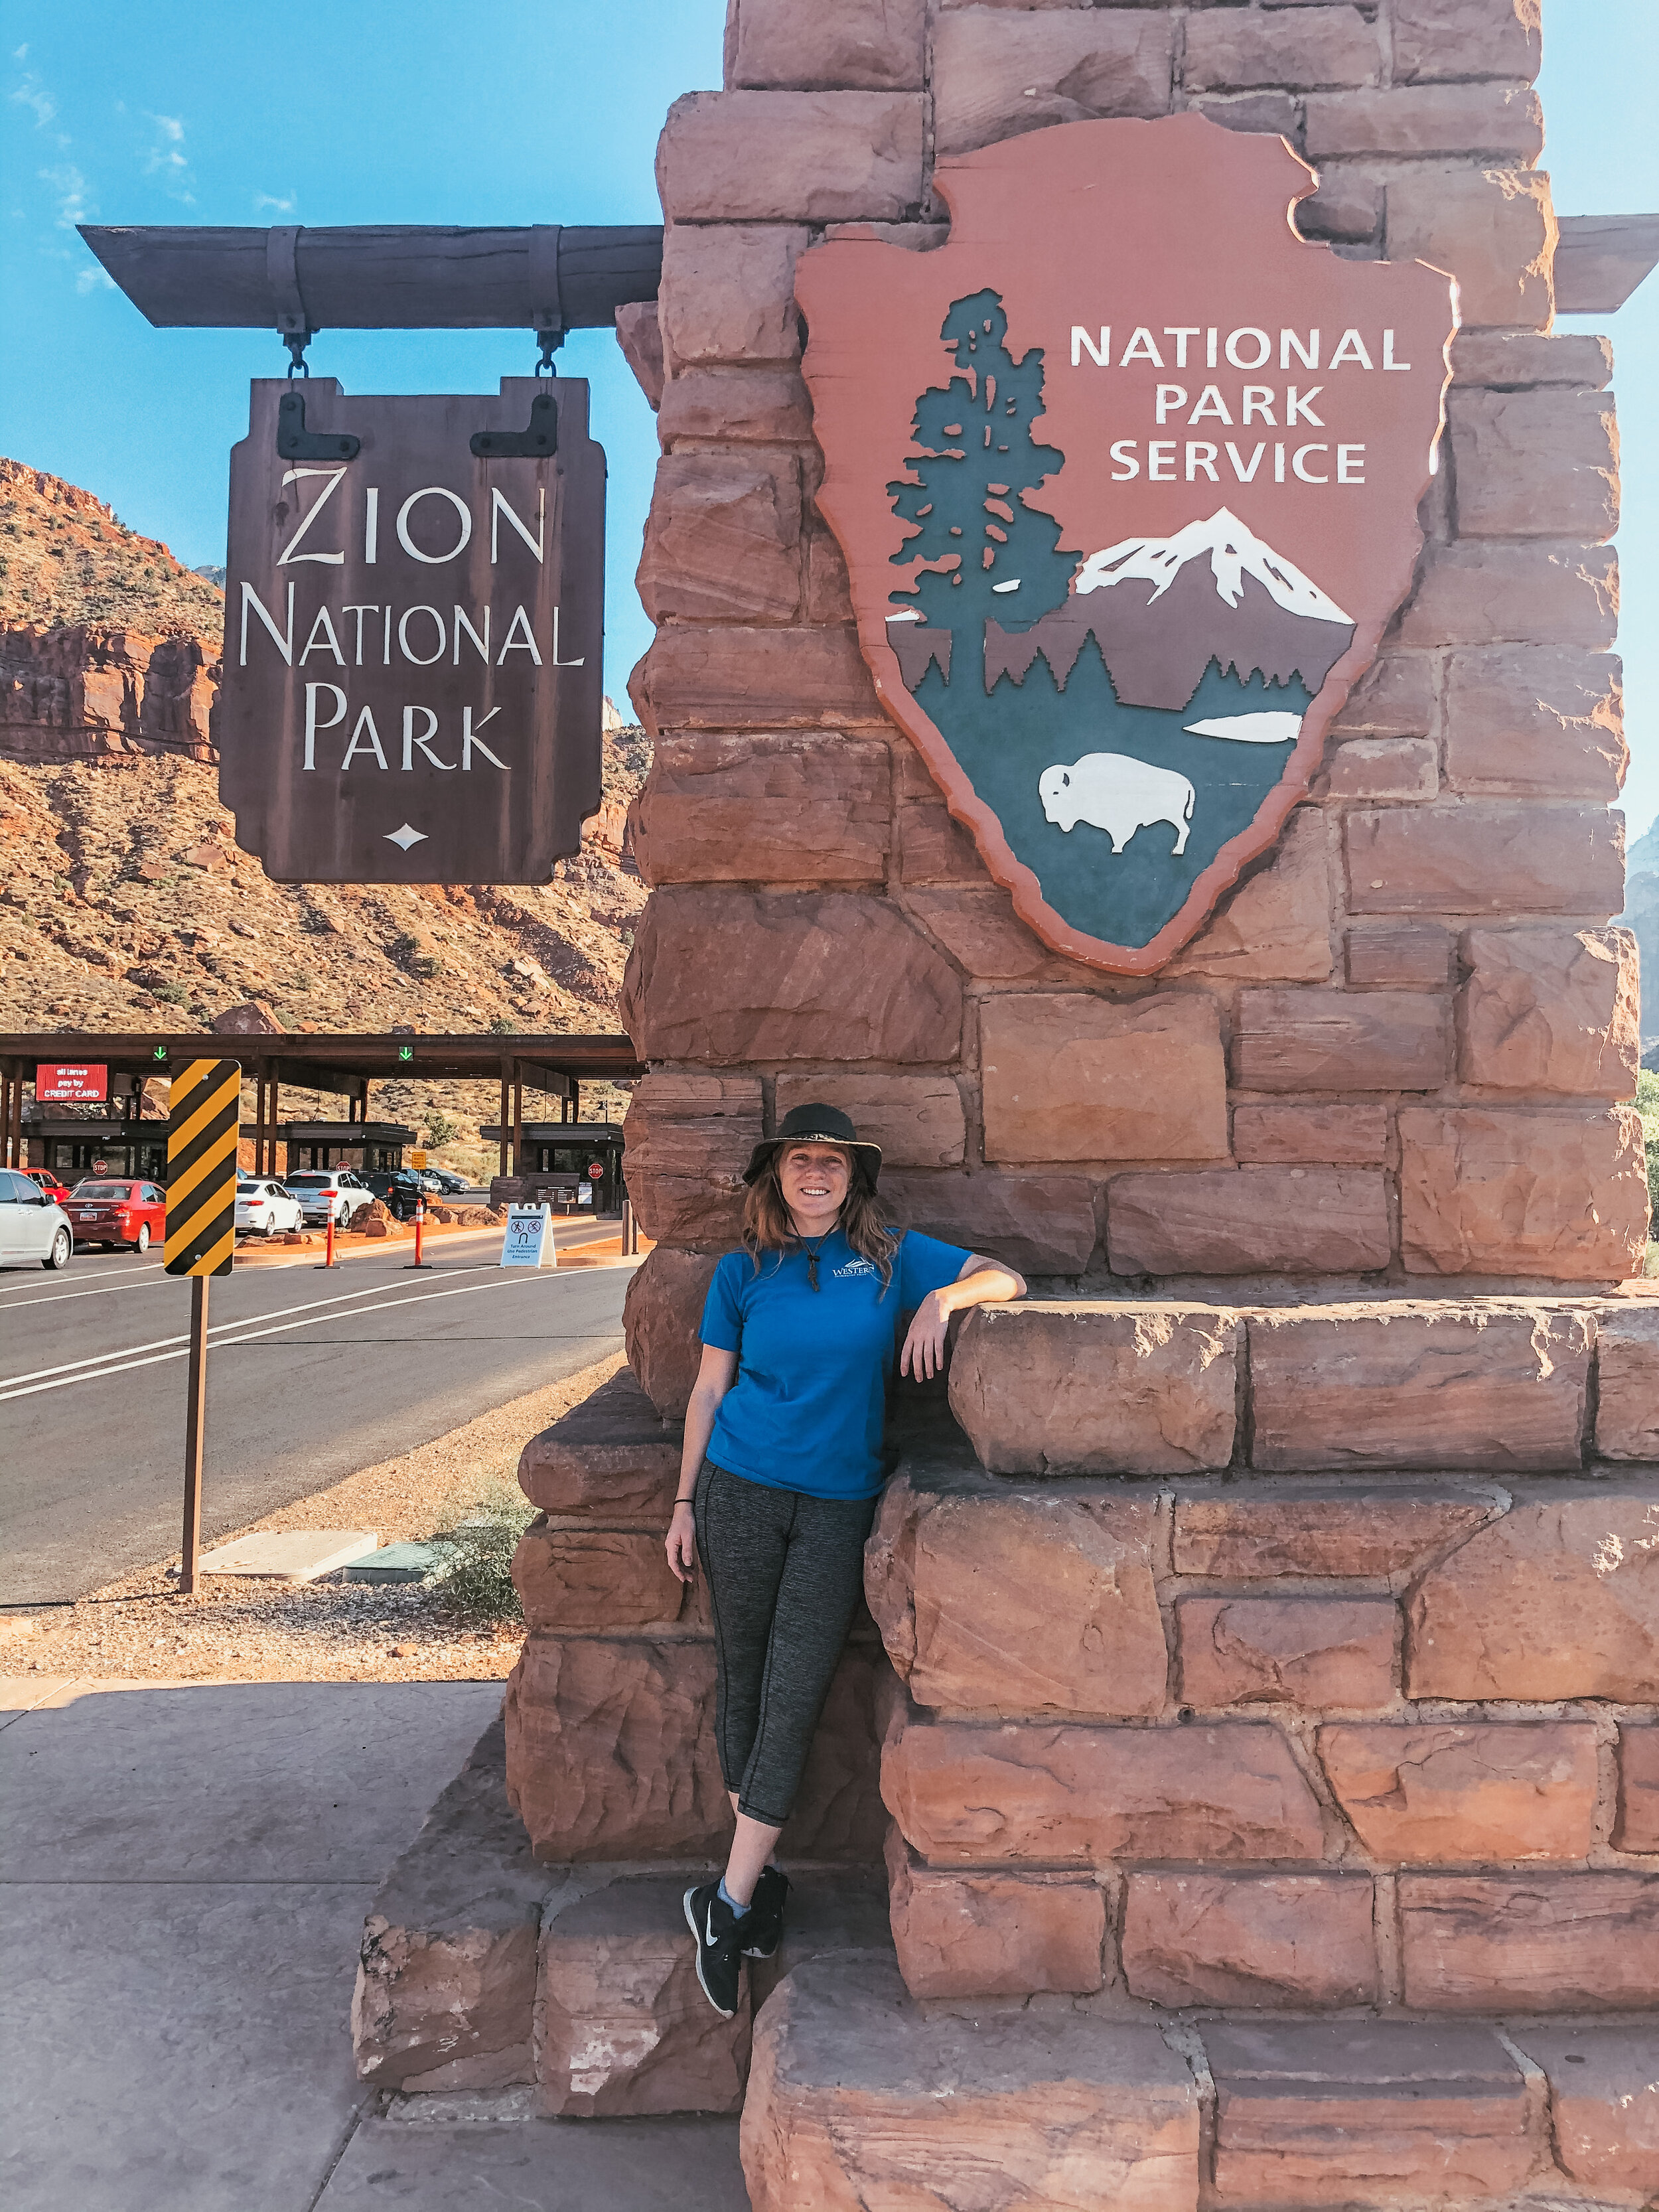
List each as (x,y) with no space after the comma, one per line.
(781,1473)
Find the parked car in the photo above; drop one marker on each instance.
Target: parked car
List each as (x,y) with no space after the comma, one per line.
(46,1178)
(265,1209)
(117,1213)
(325,1191)
(398,1190)
(32,1225)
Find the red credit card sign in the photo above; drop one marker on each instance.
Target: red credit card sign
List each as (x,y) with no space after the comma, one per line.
(72,1083)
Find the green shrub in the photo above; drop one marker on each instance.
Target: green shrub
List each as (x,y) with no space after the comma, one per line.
(477,1557)
(1646,1105)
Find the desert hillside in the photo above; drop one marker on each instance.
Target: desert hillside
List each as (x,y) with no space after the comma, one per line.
(125,903)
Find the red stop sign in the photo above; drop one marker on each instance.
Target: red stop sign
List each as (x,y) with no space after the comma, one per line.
(595,1169)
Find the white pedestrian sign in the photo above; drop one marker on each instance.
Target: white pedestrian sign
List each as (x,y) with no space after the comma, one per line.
(529,1239)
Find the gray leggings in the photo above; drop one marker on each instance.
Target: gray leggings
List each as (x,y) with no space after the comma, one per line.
(784,1573)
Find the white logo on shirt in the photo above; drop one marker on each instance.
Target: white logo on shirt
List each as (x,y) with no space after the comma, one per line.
(852,1267)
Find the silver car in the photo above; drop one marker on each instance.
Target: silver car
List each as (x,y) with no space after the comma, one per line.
(322,1191)
(32,1225)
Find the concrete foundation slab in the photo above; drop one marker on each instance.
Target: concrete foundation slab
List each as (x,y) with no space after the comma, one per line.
(681,2164)
(297,1555)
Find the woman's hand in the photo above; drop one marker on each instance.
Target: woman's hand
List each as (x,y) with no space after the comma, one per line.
(681,1543)
(923,1355)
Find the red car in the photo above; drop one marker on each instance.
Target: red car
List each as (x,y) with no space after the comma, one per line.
(117,1213)
(56,1191)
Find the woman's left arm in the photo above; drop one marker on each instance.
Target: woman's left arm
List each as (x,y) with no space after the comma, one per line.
(982,1282)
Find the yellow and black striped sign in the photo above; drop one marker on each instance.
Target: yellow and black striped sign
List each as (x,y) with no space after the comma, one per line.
(204,1123)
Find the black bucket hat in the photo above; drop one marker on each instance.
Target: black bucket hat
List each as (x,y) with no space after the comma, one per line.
(816,1125)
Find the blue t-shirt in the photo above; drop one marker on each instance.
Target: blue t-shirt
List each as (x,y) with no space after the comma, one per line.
(808,1405)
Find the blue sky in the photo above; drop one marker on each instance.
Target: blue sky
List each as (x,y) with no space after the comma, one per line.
(422,110)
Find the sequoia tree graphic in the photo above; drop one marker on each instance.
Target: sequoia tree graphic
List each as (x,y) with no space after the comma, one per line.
(988,554)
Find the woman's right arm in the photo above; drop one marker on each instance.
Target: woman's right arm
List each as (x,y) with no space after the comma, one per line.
(714,1379)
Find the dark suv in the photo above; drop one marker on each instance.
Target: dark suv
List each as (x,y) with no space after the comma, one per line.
(397,1189)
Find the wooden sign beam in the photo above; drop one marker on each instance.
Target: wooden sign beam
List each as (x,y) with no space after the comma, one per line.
(380,276)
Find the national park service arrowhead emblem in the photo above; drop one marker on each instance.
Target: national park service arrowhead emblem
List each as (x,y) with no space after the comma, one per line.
(1127,475)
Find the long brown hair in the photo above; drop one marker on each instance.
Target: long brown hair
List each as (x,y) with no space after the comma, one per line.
(767,1226)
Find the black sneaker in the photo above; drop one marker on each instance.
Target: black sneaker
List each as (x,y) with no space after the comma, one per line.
(762,1925)
(717,1929)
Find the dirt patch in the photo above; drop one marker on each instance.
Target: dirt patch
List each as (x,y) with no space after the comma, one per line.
(248,1630)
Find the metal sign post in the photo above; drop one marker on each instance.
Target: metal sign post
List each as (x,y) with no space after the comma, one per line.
(203,1125)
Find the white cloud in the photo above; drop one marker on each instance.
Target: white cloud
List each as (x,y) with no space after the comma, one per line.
(33,95)
(165,158)
(268,201)
(70,187)
(93,280)
(20,53)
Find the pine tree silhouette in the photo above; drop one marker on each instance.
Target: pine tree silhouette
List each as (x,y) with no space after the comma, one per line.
(963,493)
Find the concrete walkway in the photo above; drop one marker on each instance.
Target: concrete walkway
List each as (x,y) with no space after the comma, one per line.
(184,1873)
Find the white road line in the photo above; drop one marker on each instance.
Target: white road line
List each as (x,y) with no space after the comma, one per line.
(118,1363)
(49,1291)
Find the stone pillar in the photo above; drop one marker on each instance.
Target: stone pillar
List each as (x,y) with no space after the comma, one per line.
(1398,1055)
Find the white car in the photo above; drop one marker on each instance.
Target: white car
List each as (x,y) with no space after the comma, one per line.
(32,1225)
(322,1191)
(265,1209)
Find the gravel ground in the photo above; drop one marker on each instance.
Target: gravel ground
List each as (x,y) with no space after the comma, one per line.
(245,1630)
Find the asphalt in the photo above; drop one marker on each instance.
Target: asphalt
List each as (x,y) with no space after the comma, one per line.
(311,1375)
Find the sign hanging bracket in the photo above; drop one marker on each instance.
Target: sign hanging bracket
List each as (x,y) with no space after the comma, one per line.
(541,436)
(294,441)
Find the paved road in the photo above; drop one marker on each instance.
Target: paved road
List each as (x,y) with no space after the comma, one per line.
(310,1376)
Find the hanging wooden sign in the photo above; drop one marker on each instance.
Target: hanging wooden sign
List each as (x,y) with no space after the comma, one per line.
(413,633)
(1127,475)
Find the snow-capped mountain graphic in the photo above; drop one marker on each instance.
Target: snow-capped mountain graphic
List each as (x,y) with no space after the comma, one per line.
(1161,609)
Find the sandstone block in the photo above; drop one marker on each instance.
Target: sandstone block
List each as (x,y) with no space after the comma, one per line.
(1494,120)
(995,1935)
(1554,1193)
(1039,1224)
(1340,1040)
(1465,1790)
(790,156)
(1627,1368)
(727,295)
(1068,1792)
(1342,1136)
(688,1140)
(917,1120)
(605,1578)
(446,1974)
(829,589)
(1638,1828)
(1510,360)
(639,333)
(1384,767)
(1557,1599)
(1413,955)
(725,976)
(1037,1604)
(978,928)
(662,1313)
(934,847)
(766,406)
(1498,594)
(1243,1221)
(838,1912)
(730,678)
(1539,1942)
(1255,1939)
(1544,721)
(838,1812)
(1312,45)
(1106,1388)
(1542,464)
(1346,209)
(1419,1386)
(610,1749)
(1306,1651)
(624,2028)
(1327,2112)
(1076,66)
(764,810)
(723,540)
(612,1455)
(1396,697)
(1604,2102)
(1492,229)
(1079,1077)
(1470,38)
(1552,1010)
(1277,924)
(871,45)
(844,2106)
(1266,1530)
(1483,856)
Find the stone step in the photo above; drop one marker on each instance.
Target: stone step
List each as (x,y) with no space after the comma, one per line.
(861,2096)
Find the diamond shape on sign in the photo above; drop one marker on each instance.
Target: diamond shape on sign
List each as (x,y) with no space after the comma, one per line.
(406,837)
